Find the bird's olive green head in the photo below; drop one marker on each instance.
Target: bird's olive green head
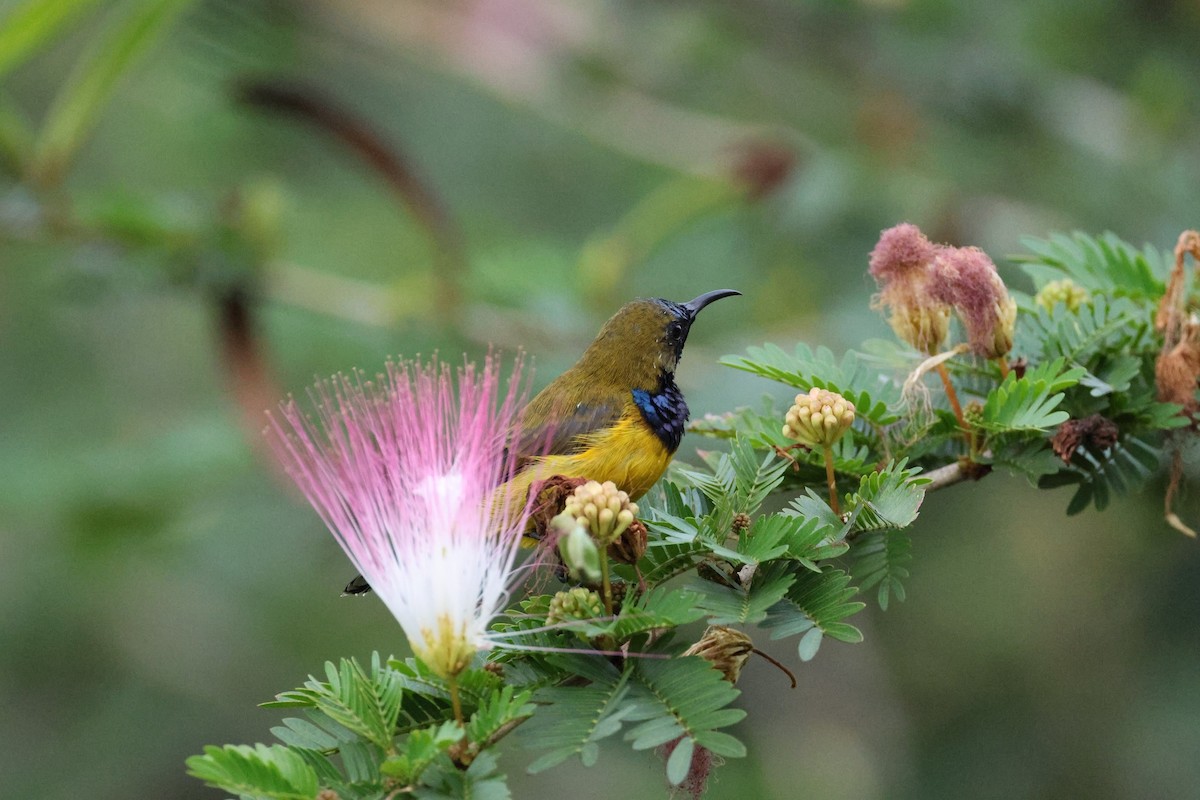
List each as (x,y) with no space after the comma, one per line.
(645,338)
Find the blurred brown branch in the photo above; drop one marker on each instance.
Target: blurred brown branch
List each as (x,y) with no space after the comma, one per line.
(250,381)
(386,159)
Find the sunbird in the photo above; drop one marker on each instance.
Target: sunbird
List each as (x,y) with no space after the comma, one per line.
(617,414)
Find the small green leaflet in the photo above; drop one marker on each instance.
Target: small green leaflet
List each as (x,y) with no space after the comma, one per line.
(262,771)
(814,606)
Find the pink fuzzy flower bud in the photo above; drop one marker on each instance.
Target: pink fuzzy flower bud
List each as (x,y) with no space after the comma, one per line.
(966,278)
(901,250)
(900,264)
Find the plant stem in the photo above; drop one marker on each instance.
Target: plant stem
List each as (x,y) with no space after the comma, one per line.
(833,499)
(1003,362)
(605,586)
(455,702)
(952,395)
(945,476)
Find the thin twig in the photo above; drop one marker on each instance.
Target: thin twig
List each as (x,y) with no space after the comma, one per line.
(945,476)
(785,670)
(455,702)
(1173,482)
(832,481)
(502,731)
(606,585)
(250,381)
(952,395)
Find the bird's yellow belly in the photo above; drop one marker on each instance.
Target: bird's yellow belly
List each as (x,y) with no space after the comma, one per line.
(628,454)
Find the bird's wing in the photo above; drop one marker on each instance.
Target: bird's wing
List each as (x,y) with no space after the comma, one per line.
(559,431)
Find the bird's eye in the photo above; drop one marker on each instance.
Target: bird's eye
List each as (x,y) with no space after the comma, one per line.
(674,332)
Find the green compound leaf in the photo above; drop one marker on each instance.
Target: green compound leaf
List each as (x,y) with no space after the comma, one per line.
(421,748)
(806,539)
(1096,329)
(1104,265)
(737,605)
(480,781)
(1112,375)
(685,697)
(362,761)
(505,706)
(364,706)
(426,700)
(737,482)
(890,498)
(660,608)
(302,733)
(1098,476)
(576,718)
(853,377)
(1030,457)
(814,606)
(275,772)
(674,546)
(680,761)
(882,557)
(1024,404)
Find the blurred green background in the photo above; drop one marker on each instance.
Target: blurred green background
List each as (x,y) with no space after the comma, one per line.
(173,261)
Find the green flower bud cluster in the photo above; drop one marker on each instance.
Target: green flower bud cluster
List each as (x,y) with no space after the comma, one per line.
(603,509)
(1064,291)
(819,418)
(574,605)
(973,413)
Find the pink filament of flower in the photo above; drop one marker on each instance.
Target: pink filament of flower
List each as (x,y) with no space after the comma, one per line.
(403,472)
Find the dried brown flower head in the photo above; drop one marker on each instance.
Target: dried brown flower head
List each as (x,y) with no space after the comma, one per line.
(550,497)
(727,648)
(1177,370)
(630,546)
(1096,432)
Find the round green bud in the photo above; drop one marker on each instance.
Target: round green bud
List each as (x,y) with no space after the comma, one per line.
(1064,291)
(574,605)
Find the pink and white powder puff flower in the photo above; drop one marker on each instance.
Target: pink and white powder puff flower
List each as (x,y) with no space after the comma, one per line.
(403,471)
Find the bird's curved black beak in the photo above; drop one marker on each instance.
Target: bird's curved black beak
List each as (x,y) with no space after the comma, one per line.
(693,306)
